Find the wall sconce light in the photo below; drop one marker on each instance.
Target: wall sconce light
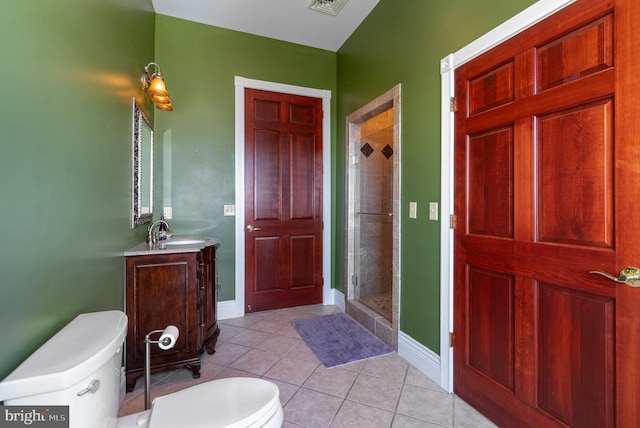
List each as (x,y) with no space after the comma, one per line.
(154,84)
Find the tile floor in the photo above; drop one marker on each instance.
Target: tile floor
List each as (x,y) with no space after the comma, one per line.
(385,391)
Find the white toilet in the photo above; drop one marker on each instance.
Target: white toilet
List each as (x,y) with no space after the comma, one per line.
(81,366)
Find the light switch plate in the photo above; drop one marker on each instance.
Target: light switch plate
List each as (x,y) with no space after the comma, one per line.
(168,213)
(413,210)
(433,211)
(229,210)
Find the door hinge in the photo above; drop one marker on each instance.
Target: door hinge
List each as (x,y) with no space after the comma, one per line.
(354,279)
(452,339)
(453,104)
(452,221)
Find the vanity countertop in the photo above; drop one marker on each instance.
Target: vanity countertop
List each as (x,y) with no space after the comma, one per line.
(174,244)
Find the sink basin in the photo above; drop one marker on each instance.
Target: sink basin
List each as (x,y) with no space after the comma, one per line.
(179,241)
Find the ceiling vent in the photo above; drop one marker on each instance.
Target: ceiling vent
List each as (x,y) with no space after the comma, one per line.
(331,7)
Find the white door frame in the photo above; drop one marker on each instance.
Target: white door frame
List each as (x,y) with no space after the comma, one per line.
(525,19)
(236,308)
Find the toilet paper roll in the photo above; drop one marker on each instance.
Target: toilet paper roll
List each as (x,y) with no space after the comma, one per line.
(169,337)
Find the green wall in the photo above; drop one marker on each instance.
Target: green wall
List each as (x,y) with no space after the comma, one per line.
(69,70)
(403,41)
(197,139)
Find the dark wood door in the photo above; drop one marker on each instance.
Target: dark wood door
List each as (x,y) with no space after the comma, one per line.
(283,200)
(546,160)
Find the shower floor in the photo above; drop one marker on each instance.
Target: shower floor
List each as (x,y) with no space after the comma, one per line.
(381,303)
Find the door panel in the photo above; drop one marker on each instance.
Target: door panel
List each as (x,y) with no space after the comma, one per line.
(283,175)
(575,178)
(576,386)
(543,143)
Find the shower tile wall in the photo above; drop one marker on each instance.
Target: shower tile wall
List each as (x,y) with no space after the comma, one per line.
(376,199)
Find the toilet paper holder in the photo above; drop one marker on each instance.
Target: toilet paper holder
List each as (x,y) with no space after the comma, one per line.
(167,340)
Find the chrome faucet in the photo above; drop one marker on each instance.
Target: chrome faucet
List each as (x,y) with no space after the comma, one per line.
(152,239)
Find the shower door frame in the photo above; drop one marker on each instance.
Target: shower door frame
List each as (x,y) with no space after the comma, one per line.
(388,100)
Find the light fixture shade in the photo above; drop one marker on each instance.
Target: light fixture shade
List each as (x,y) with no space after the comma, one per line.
(157,87)
(164,106)
(161,99)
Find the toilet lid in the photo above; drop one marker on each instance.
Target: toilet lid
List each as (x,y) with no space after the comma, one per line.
(232,402)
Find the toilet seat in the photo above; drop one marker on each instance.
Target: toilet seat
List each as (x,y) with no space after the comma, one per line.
(229,403)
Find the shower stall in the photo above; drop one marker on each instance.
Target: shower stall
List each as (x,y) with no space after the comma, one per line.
(372,278)
(372,283)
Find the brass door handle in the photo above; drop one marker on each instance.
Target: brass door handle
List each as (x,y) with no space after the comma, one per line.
(250,228)
(629,275)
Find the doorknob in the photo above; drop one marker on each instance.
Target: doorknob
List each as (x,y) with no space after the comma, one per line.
(629,275)
(250,228)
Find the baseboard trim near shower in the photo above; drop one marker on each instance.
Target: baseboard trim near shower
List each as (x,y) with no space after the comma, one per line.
(423,358)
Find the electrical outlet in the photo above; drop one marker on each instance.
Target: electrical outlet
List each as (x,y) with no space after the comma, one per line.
(229,210)
(168,213)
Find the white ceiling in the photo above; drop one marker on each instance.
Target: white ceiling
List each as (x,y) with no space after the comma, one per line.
(288,20)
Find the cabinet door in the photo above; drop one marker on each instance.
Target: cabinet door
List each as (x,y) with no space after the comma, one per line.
(161,291)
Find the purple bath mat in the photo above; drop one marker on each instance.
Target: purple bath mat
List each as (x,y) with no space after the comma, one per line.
(337,339)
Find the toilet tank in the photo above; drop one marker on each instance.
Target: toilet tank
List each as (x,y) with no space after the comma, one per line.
(79,367)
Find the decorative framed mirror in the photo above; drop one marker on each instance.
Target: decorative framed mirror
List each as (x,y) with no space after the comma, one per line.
(142,169)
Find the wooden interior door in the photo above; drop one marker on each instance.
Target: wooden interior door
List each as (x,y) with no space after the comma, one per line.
(283,200)
(546,159)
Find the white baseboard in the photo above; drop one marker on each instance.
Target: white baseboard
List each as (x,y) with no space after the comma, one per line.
(423,358)
(228,309)
(336,298)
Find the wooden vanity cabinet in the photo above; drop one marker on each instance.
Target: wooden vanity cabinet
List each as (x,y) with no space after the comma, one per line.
(170,289)
(209,288)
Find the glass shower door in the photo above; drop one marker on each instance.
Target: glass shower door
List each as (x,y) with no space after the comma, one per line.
(373,236)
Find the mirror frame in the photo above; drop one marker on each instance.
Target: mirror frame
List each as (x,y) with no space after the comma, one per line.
(139,120)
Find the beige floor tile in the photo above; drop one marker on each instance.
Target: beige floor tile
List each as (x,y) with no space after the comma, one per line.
(291,370)
(249,338)
(227,331)
(312,409)
(426,405)
(226,353)
(289,331)
(376,392)
(356,415)
(231,372)
(416,378)
(302,352)
(356,366)
(278,344)
(287,390)
(465,416)
(333,381)
(269,325)
(391,367)
(402,421)
(256,361)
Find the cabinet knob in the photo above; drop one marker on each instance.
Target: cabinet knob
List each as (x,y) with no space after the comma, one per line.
(201,324)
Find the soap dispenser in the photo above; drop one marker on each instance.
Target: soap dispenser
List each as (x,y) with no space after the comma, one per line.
(162,230)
